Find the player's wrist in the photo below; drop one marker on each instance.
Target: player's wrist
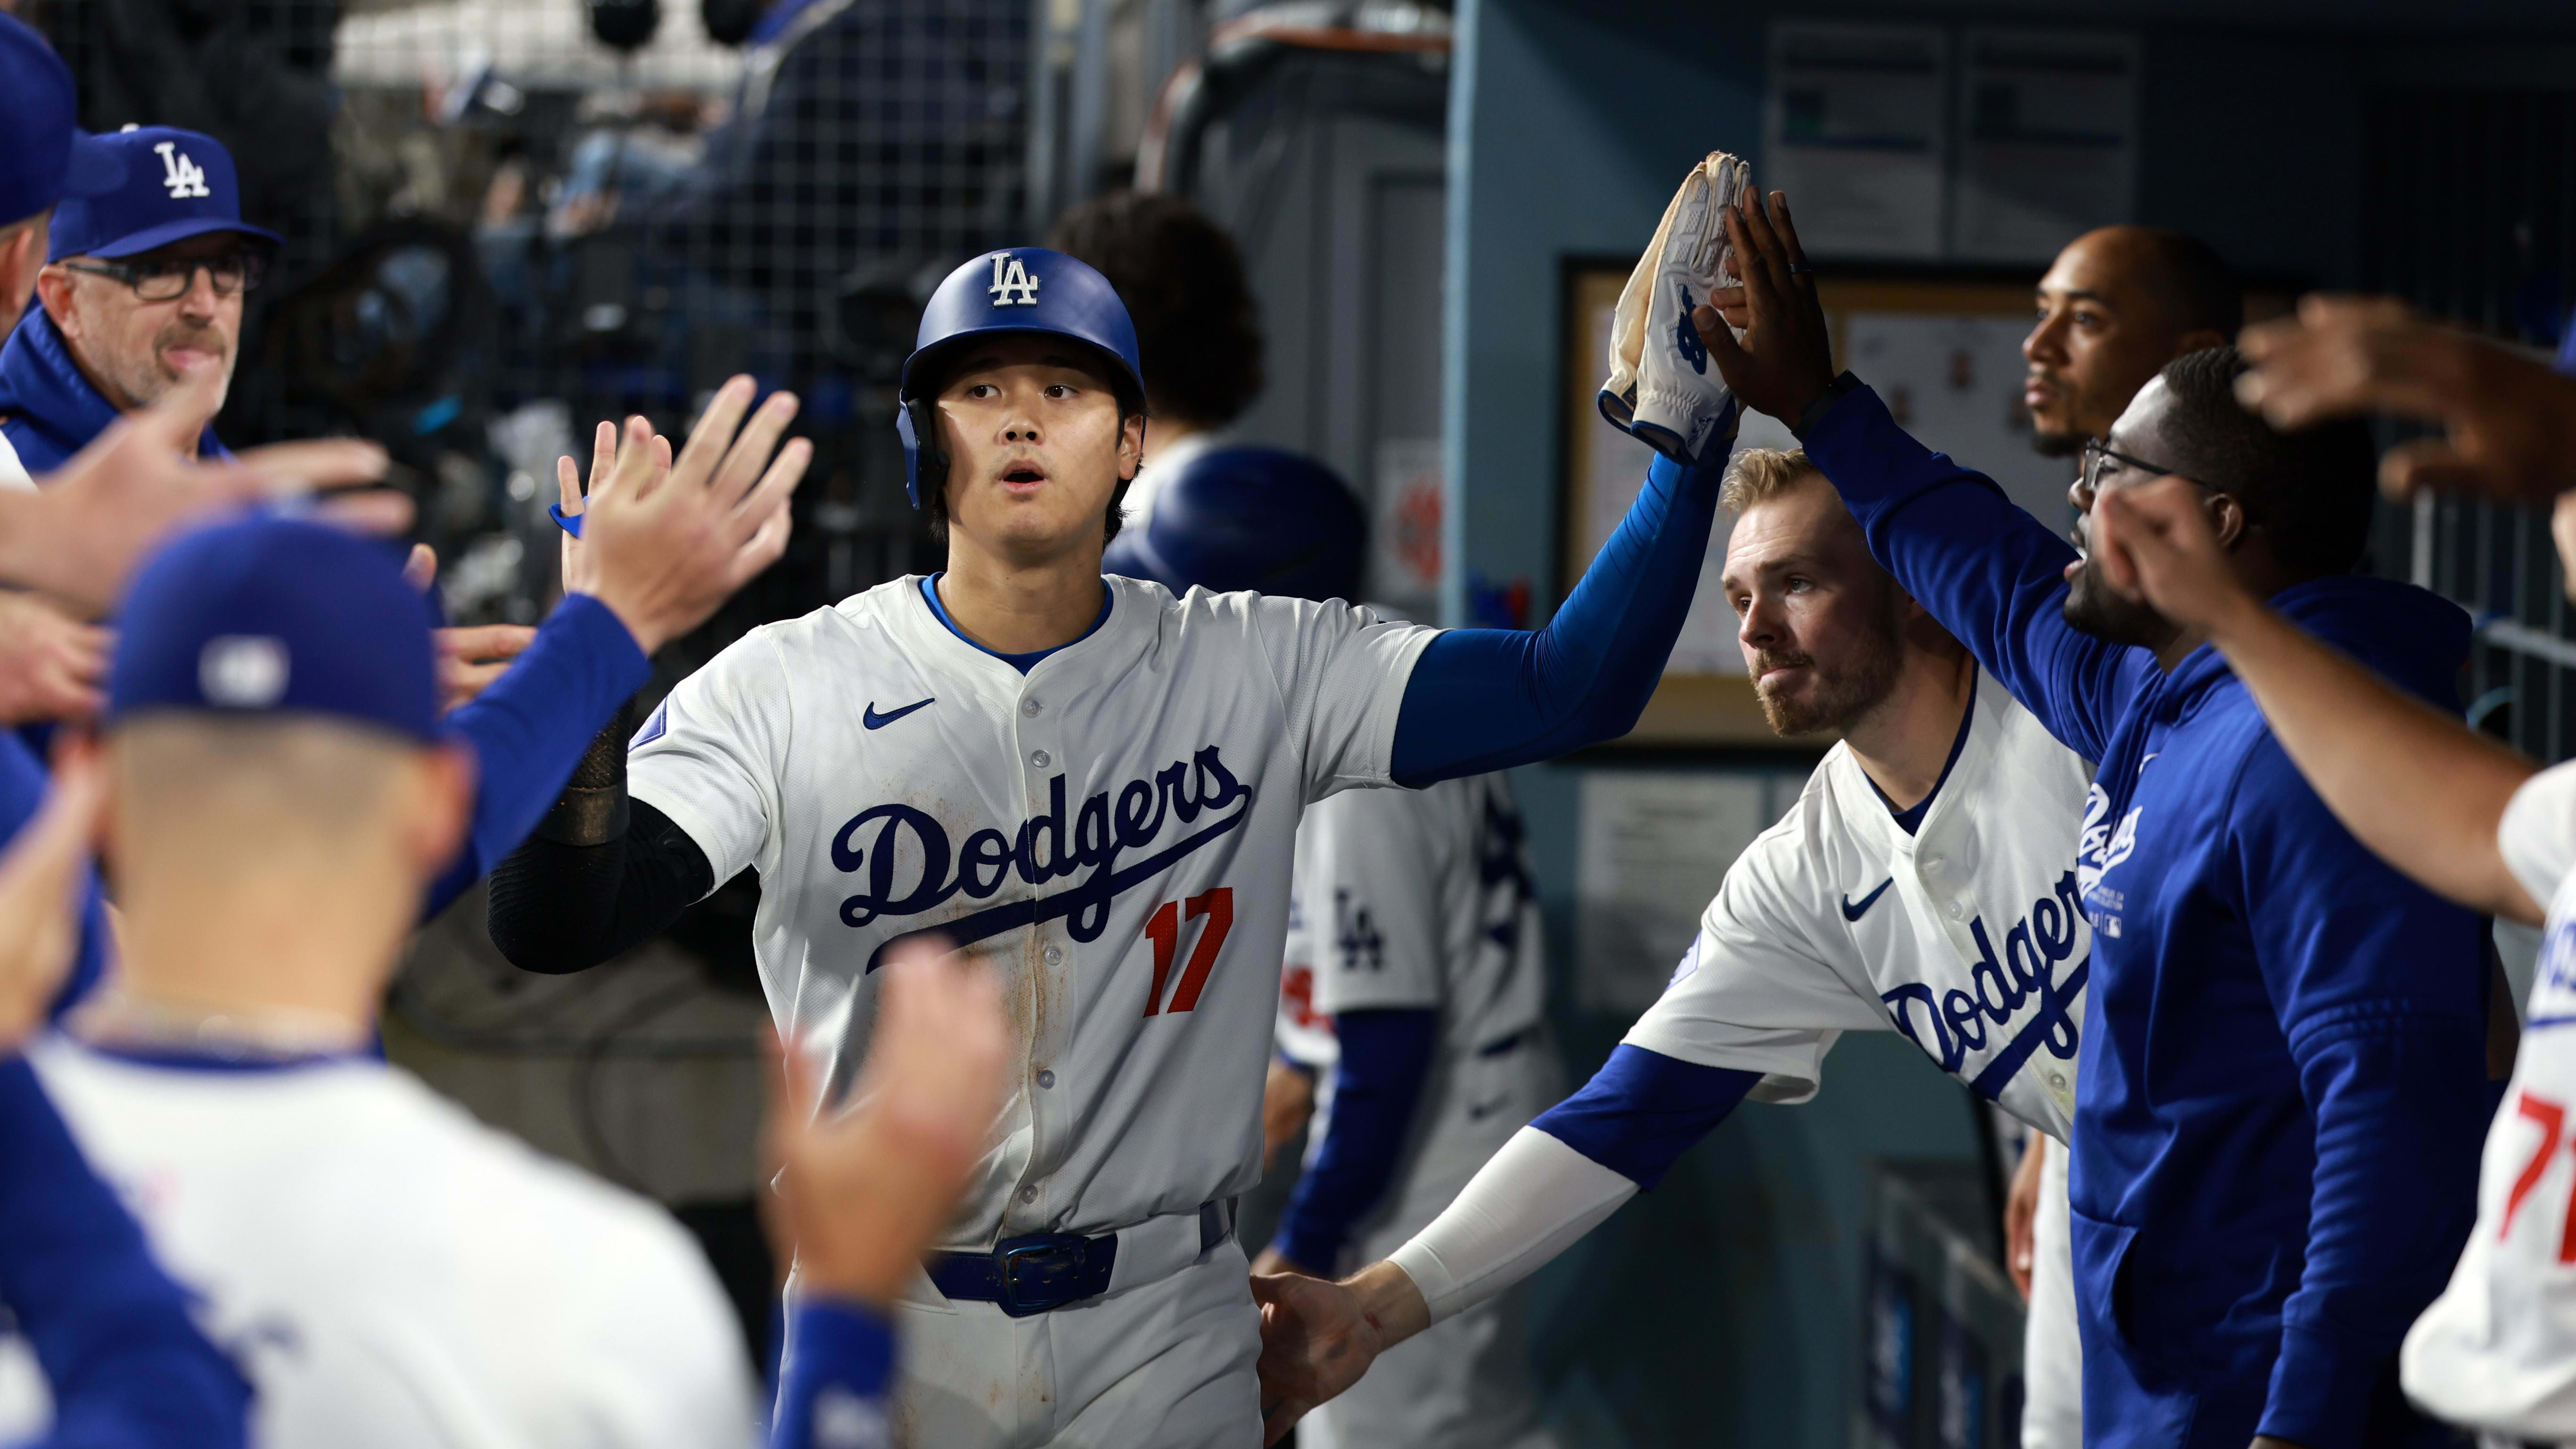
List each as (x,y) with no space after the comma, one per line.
(642,623)
(1391,1300)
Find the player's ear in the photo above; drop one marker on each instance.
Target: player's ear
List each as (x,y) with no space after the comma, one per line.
(1131,446)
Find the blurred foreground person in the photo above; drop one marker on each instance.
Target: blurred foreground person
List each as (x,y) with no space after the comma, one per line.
(385,1270)
(2455,811)
(124,1364)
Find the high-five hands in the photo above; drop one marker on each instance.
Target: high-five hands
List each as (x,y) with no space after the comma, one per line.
(667,540)
(2509,422)
(1317,1339)
(861,1193)
(1785,358)
(2156,543)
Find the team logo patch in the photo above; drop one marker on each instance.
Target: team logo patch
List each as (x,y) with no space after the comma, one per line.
(184,178)
(242,671)
(1012,284)
(906,865)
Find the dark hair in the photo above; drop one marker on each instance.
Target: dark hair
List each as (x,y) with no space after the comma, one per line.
(2312,490)
(935,380)
(1197,327)
(2193,282)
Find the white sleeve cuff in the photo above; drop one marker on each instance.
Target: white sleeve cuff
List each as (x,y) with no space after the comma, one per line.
(1526,1206)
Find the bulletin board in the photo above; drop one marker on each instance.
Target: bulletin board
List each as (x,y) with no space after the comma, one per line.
(1942,346)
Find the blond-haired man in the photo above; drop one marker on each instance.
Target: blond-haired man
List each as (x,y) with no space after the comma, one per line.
(1924,883)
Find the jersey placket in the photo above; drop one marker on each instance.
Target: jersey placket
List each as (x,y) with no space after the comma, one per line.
(1044,952)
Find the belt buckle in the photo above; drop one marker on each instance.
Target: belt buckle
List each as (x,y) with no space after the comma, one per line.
(1053,1263)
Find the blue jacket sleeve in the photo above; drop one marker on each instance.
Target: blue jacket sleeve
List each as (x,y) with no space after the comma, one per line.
(836,1382)
(1487,699)
(127,1366)
(530,727)
(1643,1110)
(2377,984)
(1385,1057)
(1992,574)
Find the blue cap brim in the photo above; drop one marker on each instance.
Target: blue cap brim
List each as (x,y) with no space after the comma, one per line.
(95,168)
(154,237)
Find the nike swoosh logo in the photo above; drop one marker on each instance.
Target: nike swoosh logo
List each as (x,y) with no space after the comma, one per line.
(1855,912)
(876,721)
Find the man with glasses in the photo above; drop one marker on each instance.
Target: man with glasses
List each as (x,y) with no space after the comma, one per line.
(143,286)
(2284,1073)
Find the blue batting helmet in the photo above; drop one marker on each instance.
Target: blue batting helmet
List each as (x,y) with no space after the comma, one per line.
(1262,519)
(1016,289)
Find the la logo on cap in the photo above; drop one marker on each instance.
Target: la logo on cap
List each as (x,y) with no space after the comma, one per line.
(1012,284)
(184,177)
(242,671)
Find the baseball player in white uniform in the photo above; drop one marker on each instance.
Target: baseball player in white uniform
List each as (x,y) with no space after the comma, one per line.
(1413,998)
(1924,883)
(1095,785)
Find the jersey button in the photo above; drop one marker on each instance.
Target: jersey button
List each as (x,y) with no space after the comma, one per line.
(1041,758)
(1028,1194)
(1054,955)
(1031,708)
(1046,1081)
(1956,911)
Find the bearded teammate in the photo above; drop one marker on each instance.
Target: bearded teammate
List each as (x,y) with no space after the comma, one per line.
(1418,980)
(1095,785)
(1924,883)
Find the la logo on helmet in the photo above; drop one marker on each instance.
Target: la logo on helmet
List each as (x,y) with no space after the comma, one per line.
(1012,284)
(184,177)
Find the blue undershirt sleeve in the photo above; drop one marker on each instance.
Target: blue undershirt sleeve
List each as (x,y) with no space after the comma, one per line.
(1643,1110)
(837,1379)
(1385,1057)
(125,1363)
(530,727)
(1488,699)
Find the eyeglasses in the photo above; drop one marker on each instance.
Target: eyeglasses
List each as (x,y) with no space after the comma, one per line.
(167,279)
(2095,450)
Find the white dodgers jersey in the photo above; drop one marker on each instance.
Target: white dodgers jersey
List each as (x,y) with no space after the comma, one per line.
(387,1271)
(1113,831)
(1965,936)
(2497,1350)
(1424,900)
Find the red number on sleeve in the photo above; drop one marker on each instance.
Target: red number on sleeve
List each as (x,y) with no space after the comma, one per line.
(2551,1116)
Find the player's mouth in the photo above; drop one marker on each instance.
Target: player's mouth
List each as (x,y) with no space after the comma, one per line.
(1021,478)
(185,358)
(2038,391)
(1781,673)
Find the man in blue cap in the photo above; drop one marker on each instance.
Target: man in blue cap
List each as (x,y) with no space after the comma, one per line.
(143,286)
(43,157)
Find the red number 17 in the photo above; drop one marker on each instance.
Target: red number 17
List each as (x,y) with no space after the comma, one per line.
(1164,927)
(2551,1116)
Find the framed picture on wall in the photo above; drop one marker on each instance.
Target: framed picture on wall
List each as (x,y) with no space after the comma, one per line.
(1941,345)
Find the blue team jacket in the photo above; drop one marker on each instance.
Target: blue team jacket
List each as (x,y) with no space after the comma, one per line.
(48,409)
(2282,1086)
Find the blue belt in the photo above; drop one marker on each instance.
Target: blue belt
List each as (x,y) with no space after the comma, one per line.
(1043,1271)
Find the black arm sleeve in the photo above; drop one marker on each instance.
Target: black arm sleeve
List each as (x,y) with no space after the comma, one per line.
(601,875)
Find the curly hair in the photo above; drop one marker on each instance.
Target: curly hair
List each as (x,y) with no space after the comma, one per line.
(1181,276)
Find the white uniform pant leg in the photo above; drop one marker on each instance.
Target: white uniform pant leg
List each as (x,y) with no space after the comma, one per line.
(2052,1415)
(1462,1384)
(1164,1365)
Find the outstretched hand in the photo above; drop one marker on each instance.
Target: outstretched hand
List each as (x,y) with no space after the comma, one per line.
(40,879)
(80,536)
(1785,358)
(2155,543)
(1316,1341)
(2509,422)
(861,1193)
(666,540)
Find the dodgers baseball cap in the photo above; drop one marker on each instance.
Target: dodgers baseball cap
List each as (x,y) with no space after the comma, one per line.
(173,185)
(270,614)
(44,156)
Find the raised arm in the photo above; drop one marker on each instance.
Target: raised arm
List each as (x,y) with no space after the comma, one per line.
(2421,790)
(1994,576)
(666,541)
